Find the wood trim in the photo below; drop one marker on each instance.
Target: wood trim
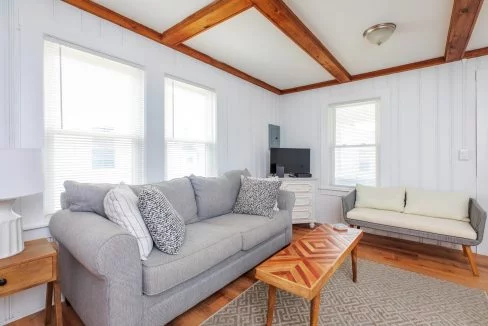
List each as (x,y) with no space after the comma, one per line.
(463,20)
(118,19)
(371,74)
(209,16)
(398,69)
(282,17)
(476,53)
(223,66)
(309,87)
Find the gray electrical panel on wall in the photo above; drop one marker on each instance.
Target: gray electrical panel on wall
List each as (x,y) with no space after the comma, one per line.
(274,136)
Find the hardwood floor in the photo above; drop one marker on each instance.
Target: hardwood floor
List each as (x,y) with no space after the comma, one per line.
(438,262)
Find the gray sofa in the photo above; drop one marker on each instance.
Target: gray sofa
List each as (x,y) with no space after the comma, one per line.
(104,279)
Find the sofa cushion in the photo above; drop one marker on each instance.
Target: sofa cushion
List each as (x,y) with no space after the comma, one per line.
(85,197)
(254,229)
(166,226)
(205,246)
(452,205)
(216,196)
(257,196)
(391,198)
(449,227)
(120,205)
(181,196)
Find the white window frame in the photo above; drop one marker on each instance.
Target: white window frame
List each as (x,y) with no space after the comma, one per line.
(332,139)
(213,145)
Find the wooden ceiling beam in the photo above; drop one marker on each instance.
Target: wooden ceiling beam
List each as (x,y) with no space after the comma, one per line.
(463,19)
(282,17)
(213,14)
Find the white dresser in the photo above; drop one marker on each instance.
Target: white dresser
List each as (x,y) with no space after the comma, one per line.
(305,190)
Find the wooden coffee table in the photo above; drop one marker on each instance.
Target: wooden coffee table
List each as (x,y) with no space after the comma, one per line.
(306,265)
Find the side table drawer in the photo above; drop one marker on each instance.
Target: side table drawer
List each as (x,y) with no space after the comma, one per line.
(26,275)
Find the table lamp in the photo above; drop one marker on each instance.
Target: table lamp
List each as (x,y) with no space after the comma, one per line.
(20,175)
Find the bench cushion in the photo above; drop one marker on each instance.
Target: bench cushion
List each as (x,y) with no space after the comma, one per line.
(391,198)
(448,227)
(253,229)
(205,246)
(443,204)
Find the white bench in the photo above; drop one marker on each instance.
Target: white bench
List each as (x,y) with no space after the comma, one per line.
(443,216)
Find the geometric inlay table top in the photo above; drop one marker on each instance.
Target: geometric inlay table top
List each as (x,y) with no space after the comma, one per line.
(307,264)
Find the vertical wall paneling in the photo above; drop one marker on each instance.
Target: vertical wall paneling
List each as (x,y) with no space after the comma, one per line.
(482,144)
(427,117)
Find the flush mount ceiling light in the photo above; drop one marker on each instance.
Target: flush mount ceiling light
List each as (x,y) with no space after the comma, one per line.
(379,34)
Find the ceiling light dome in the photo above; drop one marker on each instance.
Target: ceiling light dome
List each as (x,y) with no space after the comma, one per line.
(380,33)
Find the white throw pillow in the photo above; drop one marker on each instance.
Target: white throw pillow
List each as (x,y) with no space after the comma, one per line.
(391,198)
(452,205)
(120,205)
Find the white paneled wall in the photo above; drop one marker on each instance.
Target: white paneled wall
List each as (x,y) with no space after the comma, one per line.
(427,117)
(244,110)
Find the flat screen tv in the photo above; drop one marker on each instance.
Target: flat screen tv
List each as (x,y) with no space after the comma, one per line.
(295,160)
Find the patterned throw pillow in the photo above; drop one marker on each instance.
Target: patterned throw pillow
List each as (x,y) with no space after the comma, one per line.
(120,205)
(257,196)
(166,226)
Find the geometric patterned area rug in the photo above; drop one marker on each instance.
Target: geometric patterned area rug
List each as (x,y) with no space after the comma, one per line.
(383,295)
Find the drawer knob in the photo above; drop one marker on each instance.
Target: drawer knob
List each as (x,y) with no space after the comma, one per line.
(3,281)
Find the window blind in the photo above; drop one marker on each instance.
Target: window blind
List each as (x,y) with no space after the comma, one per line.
(190,130)
(354,149)
(93,120)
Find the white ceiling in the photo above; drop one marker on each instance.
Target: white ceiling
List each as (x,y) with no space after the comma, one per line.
(249,42)
(156,14)
(422,27)
(479,38)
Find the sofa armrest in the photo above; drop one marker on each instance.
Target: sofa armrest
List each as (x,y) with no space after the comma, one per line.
(286,200)
(477,218)
(348,202)
(101,246)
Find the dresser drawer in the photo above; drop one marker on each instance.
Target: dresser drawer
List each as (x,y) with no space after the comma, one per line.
(303,200)
(300,213)
(26,275)
(298,187)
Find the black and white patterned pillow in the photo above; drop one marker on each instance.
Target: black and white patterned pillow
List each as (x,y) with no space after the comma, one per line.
(166,226)
(257,196)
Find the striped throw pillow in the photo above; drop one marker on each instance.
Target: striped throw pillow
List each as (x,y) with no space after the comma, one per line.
(120,206)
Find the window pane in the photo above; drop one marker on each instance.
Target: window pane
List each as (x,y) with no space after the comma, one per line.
(189,130)
(185,159)
(355,165)
(94,121)
(355,124)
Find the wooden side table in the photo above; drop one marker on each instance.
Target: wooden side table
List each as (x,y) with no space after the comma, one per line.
(37,264)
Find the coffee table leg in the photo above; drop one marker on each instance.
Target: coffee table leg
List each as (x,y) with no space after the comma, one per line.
(271,304)
(49,303)
(354,258)
(314,310)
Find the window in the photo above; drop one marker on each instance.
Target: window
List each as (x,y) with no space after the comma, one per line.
(189,130)
(354,144)
(93,120)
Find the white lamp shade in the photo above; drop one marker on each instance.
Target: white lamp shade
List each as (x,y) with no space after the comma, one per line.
(20,172)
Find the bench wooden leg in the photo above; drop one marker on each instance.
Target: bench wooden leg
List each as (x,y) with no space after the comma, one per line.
(467,251)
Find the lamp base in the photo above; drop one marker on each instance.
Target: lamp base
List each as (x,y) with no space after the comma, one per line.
(11,242)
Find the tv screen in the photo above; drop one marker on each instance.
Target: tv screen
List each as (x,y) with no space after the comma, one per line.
(295,160)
